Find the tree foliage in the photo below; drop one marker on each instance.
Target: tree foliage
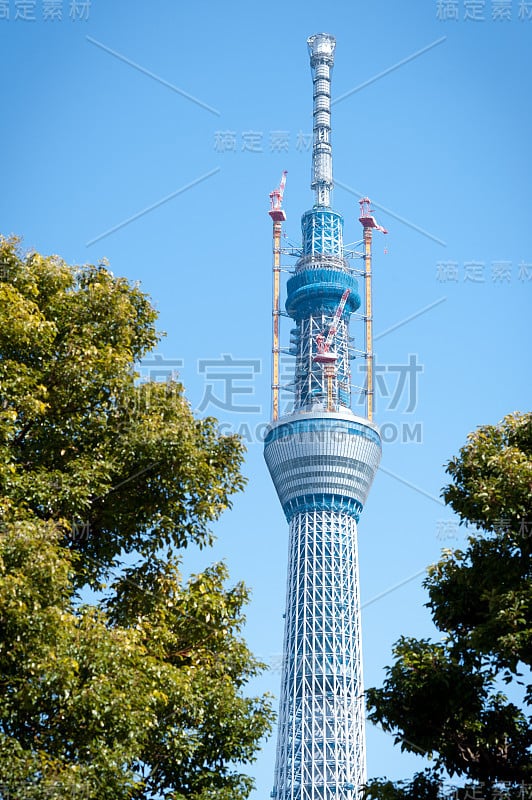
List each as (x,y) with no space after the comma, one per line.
(445,699)
(142,693)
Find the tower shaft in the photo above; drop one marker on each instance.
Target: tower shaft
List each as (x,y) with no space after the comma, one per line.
(321,729)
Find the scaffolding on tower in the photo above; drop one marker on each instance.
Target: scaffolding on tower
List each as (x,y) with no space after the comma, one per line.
(369,224)
(278,217)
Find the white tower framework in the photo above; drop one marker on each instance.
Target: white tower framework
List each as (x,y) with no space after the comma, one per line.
(322,459)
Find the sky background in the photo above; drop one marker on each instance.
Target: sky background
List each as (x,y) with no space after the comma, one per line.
(151,134)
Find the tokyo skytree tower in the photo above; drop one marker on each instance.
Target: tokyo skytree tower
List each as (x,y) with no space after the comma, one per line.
(322,459)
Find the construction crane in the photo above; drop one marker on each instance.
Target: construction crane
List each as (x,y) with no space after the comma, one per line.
(324,356)
(278,217)
(369,224)
(366,214)
(276,200)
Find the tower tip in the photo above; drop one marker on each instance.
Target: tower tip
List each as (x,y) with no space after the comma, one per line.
(321,45)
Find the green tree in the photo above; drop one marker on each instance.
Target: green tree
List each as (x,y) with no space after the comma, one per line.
(444,699)
(142,693)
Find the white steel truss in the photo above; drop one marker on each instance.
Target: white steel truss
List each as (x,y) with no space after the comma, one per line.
(321,738)
(310,386)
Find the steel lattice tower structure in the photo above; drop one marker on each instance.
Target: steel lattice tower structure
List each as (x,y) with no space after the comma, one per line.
(322,460)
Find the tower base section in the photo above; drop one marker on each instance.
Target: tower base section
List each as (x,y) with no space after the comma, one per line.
(321,739)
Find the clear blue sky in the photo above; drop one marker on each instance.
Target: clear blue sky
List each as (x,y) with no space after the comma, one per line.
(221,98)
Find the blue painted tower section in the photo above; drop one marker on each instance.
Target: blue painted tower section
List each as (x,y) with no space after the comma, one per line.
(313,295)
(322,460)
(322,232)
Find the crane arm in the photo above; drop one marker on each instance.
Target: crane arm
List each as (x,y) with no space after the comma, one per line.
(336,320)
(282,185)
(276,197)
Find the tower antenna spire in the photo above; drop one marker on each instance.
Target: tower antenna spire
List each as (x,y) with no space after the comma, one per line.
(321,48)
